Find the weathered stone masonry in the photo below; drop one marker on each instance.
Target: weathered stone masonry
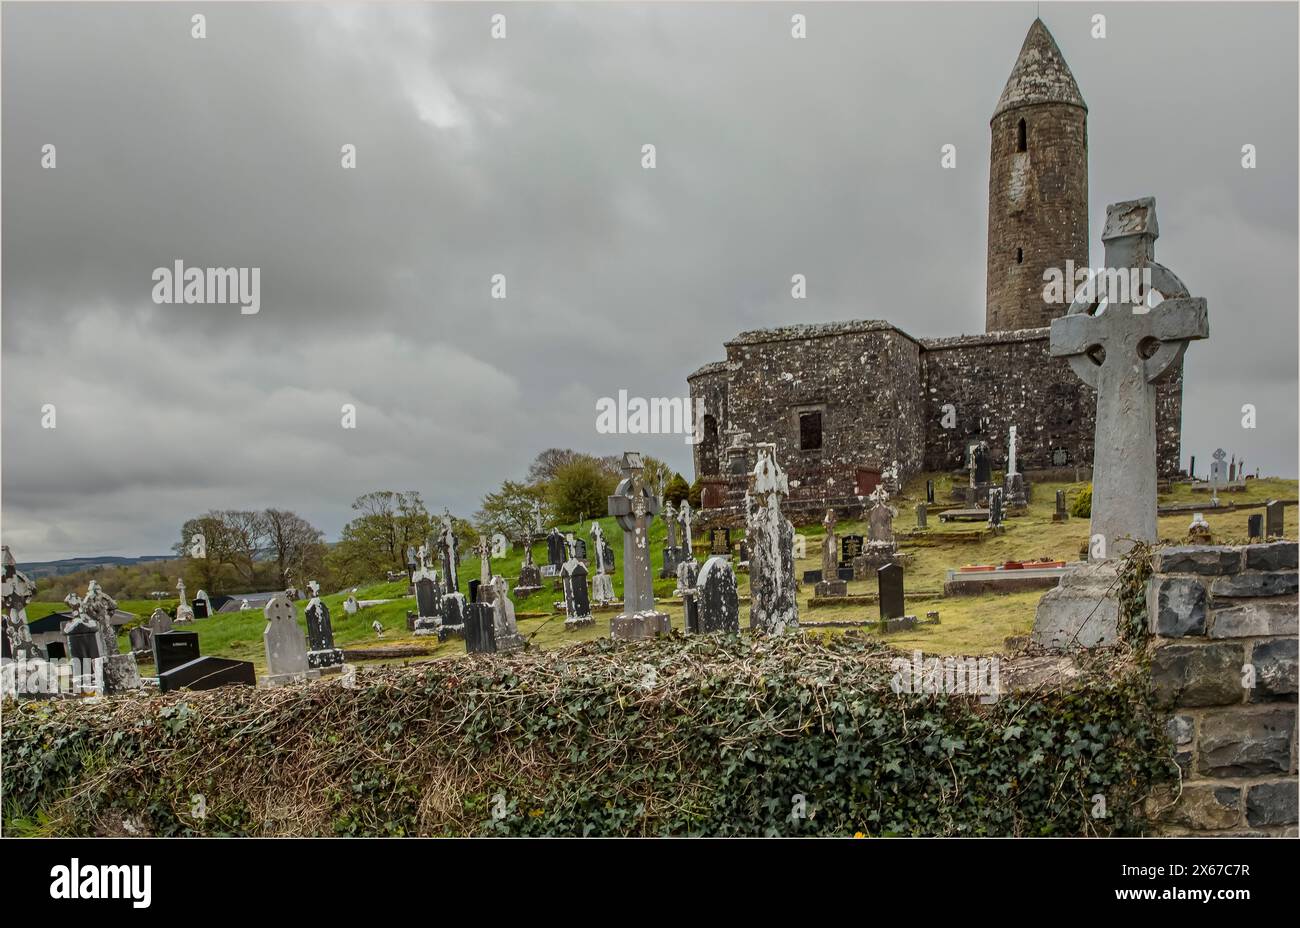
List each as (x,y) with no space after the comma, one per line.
(1224,626)
(881,394)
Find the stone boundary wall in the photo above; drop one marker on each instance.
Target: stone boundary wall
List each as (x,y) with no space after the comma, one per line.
(1223,621)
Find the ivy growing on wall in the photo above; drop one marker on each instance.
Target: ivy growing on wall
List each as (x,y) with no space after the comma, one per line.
(797,735)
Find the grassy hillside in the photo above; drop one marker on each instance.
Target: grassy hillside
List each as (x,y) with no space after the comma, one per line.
(967,624)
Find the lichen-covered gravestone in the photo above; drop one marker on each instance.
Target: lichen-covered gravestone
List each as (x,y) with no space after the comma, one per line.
(718,599)
(634,506)
(506,628)
(120,671)
(830,584)
(1121,348)
(17,591)
(602,587)
(286,648)
(773,606)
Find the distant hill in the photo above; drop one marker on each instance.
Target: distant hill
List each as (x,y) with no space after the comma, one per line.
(71,565)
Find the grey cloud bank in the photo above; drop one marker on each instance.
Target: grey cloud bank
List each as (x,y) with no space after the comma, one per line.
(522,157)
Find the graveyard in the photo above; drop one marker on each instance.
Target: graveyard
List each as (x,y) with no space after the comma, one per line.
(969,624)
(954,585)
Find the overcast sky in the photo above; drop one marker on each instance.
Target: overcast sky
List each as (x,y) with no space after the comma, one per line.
(522,156)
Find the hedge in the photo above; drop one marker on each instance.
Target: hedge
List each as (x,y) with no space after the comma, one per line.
(714,735)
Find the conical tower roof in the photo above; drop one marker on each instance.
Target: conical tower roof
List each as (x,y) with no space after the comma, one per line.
(1040,75)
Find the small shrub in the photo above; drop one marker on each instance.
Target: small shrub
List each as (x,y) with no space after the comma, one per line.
(1081,505)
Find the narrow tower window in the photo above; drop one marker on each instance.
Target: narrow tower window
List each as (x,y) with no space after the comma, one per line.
(1020,256)
(1022,140)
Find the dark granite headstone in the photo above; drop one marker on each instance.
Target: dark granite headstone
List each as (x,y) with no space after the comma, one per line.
(473,590)
(850,547)
(577,601)
(207,673)
(453,609)
(929,491)
(983,465)
(608,554)
(426,598)
(1191,468)
(690,572)
(890,582)
(480,629)
(321,652)
(1273,516)
(171,649)
(200,607)
(580,549)
(718,602)
(845,573)
(812,576)
(1255,526)
(555,549)
(84,643)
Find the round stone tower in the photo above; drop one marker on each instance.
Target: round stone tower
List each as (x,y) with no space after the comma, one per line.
(1038,185)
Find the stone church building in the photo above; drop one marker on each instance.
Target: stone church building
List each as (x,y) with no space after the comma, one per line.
(842,401)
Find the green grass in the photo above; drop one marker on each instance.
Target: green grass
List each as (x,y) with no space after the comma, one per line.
(968,624)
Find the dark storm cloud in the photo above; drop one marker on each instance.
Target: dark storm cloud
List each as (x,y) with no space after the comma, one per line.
(522,157)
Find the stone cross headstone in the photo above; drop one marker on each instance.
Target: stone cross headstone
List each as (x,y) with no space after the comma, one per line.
(183,611)
(450,546)
(1218,474)
(773,606)
(484,550)
(634,506)
(688,543)
(889,581)
(17,591)
(1121,349)
(717,599)
(602,587)
(286,648)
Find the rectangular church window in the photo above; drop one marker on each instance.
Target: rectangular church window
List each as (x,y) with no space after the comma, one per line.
(810,431)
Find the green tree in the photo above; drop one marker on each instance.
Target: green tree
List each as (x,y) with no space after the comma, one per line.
(510,510)
(677,490)
(580,488)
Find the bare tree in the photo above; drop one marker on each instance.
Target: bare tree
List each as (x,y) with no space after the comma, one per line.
(293,541)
